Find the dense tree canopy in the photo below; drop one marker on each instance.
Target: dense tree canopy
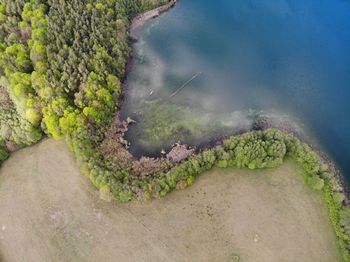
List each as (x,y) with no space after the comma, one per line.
(65,83)
(61,67)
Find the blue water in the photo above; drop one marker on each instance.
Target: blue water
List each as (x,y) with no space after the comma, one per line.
(288,56)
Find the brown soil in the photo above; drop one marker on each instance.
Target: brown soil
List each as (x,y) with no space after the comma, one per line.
(142,18)
(50,212)
(179,152)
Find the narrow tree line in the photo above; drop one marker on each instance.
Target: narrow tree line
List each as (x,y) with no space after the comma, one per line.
(61,67)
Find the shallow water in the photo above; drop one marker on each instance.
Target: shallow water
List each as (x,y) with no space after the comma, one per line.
(289,57)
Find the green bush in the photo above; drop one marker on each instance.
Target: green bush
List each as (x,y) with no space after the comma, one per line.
(70,78)
(33,116)
(3,155)
(315,182)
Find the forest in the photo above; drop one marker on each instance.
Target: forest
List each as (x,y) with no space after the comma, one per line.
(62,64)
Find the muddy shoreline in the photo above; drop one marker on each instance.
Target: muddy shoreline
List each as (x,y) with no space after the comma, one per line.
(140,19)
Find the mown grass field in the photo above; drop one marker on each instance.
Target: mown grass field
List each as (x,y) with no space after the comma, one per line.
(51,212)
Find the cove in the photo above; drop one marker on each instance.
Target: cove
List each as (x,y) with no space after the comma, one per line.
(289,58)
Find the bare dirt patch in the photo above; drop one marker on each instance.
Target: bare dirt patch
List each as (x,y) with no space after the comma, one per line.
(144,17)
(50,212)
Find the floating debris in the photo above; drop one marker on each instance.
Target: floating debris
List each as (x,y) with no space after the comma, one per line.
(179,152)
(130,121)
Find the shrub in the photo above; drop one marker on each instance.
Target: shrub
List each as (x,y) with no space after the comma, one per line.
(33,116)
(190,180)
(105,193)
(3,155)
(72,76)
(315,182)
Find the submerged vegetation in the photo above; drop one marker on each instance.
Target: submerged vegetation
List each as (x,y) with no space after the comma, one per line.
(62,62)
(163,123)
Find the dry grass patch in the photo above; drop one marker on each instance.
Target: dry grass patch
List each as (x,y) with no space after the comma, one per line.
(50,212)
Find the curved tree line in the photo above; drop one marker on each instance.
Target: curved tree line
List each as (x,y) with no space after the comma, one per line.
(61,67)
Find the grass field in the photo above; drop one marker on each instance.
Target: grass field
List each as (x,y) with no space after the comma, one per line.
(50,212)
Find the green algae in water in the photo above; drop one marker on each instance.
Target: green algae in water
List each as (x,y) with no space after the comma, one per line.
(163,123)
(166,123)
(254,55)
(140,52)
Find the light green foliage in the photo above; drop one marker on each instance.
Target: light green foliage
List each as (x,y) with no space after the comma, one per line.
(166,123)
(16,57)
(207,159)
(338,197)
(13,126)
(105,193)
(93,112)
(2,9)
(51,119)
(315,182)
(71,121)
(344,221)
(113,83)
(21,84)
(133,7)
(70,77)
(100,6)
(18,125)
(33,116)
(190,180)
(260,150)
(255,150)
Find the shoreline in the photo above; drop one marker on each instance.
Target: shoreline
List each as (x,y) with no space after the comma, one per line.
(286,127)
(142,18)
(138,21)
(103,156)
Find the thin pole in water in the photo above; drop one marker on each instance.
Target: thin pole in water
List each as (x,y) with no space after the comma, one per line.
(185,84)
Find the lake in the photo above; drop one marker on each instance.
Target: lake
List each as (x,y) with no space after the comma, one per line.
(286,59)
